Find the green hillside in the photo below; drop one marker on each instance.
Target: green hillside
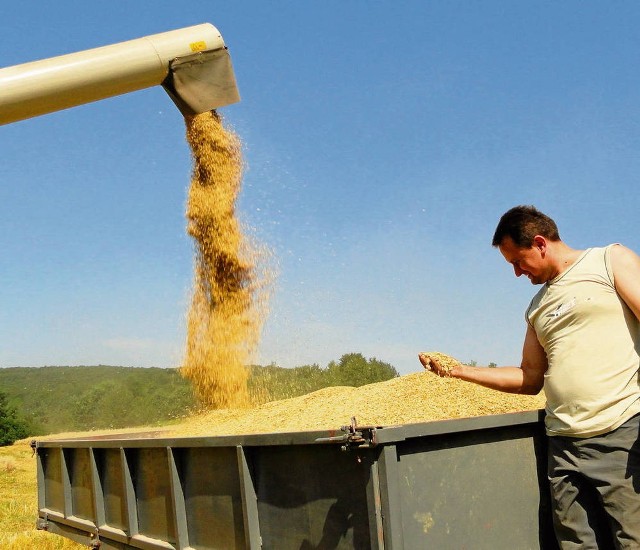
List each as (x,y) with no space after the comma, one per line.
(62,399)
(57,399)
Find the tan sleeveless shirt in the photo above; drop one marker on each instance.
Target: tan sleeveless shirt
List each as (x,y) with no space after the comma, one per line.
(592,342)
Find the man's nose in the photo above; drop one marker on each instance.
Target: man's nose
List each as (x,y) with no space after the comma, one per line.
(517,270)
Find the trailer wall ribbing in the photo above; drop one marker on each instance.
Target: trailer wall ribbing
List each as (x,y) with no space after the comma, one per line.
(469,483)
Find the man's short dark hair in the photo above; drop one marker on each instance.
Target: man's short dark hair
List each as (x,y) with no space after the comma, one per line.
(522,224)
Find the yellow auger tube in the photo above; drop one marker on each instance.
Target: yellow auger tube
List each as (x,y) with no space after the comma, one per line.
(191,63)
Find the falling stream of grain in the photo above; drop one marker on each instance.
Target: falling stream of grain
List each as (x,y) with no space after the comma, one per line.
(224,320)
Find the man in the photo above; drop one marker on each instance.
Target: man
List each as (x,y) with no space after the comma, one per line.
(582,346)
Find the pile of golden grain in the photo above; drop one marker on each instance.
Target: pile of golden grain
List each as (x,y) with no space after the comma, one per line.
(416,397)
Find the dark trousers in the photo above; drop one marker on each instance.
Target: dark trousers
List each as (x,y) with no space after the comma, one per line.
(595,486)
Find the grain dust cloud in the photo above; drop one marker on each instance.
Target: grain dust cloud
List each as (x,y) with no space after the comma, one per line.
(229,294)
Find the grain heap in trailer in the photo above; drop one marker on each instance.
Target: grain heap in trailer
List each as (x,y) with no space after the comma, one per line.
(464,483)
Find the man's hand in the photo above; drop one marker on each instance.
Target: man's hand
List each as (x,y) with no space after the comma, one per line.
(439,364)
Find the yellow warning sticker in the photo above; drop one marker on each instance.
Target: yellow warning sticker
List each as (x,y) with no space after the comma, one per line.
(198,46)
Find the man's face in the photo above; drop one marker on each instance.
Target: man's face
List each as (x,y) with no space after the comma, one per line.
(526,261)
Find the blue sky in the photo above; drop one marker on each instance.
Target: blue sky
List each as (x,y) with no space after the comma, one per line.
(383,141)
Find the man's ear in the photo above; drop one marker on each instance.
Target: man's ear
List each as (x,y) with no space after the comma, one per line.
(540,243)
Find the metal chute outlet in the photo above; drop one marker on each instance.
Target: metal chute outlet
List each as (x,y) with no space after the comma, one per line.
(192,64)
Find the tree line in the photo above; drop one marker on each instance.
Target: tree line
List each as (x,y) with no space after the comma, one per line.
(44,400)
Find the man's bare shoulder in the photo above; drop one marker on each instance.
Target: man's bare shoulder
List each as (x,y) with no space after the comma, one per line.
(623,257)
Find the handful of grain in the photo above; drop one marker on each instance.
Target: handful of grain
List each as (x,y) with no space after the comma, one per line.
(446,362)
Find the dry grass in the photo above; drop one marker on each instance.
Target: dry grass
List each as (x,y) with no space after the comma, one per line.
(19,505)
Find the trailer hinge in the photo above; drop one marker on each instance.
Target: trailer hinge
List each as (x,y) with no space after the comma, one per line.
(42,524)
(354,436)
(95,543)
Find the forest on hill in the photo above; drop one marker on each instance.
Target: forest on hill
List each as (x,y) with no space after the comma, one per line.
(55,399)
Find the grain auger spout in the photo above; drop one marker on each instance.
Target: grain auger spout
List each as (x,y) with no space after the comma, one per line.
(191,64)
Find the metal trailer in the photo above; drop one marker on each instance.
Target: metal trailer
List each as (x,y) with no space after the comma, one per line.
(465,483)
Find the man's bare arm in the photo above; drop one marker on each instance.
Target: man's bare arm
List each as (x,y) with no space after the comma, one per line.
(526,379)
(626,274)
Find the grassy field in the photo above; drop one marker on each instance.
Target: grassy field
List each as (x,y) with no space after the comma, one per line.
(19,505)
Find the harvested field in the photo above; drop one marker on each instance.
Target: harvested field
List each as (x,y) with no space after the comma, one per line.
(19,503)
